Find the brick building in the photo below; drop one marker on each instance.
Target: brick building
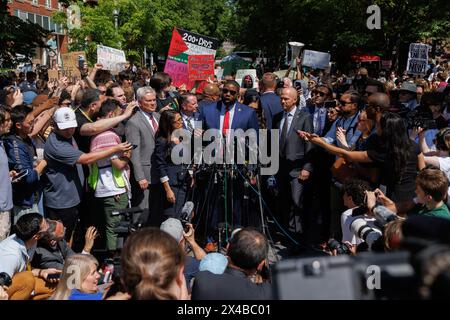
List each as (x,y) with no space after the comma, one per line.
(40,12)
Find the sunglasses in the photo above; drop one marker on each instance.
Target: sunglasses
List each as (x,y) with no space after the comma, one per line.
(320,93)
(232,92)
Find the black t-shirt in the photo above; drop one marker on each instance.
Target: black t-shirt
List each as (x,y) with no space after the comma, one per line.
(83,142)
(171,99)
(402,189)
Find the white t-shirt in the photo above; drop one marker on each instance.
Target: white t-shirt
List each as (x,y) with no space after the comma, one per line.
(346,221)
(106,186)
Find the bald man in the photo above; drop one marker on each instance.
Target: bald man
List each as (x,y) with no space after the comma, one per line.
(295,165)
(377,104)
(211,94)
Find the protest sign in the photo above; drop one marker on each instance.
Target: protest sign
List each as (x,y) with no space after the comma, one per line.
(241,73)
(183,45)
(417,59)
(53,75)
(218,72)
(112,59)
(71,65)
(201,67)
(316,59)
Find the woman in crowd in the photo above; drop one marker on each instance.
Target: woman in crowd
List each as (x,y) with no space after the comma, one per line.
(171,179)
(391,150)
(364,125)
(79,279)
(252,99)
(152,266)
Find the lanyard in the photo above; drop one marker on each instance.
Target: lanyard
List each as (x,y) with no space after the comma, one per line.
(85,115)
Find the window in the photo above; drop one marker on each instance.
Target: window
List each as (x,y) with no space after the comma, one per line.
(23,15)
(45,23)
(48,3)
(39,20)
(35,2)
(31,17)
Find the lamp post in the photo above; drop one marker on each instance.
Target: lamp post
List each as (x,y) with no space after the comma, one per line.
(116,22)
(116,18)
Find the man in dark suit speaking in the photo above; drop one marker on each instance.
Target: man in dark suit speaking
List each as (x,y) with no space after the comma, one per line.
(295,166)
(226,115)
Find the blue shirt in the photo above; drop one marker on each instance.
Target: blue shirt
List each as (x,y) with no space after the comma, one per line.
(78,295)
(351,133)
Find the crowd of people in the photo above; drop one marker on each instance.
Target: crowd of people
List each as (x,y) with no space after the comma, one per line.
(75,156)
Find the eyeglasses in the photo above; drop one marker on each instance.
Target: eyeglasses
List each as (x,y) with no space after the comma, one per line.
(232,92)
(320,93)
(344,103)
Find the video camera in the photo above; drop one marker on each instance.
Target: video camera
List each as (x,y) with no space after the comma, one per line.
(128,225)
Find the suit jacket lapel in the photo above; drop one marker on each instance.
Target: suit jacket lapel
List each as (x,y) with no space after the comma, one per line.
(217,115)
(146,123)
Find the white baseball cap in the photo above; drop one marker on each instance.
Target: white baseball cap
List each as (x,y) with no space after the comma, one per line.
(64,118)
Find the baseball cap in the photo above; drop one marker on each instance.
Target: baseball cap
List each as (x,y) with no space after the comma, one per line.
(408,86)
(65,118)
(173,227)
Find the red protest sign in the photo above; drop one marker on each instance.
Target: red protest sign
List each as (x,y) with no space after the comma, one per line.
(201,66)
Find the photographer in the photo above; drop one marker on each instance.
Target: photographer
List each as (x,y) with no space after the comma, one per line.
(174,227)
(354,198)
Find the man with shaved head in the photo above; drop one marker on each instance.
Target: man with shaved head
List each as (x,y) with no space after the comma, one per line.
(211,94)
(295,165)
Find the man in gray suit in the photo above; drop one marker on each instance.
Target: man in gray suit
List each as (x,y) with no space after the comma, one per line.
(295,165)
(140,131)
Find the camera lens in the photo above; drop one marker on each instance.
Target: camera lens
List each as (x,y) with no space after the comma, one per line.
(5,279)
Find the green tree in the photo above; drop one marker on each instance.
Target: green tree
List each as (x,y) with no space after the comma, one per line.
(338,26)
(18,37)
(144,23)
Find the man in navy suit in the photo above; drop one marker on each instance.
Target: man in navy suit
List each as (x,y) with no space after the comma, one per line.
(228,114)
(270,101)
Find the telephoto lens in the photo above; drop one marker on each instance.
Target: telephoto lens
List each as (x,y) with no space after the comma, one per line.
(5,279)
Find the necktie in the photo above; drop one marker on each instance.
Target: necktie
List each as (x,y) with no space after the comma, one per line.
(283,137)
(226,121)
(154,123)
(189,124)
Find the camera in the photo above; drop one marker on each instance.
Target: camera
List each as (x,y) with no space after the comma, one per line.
(424,120)
(5,279)
(186,214)
(341,248)
(372,237)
